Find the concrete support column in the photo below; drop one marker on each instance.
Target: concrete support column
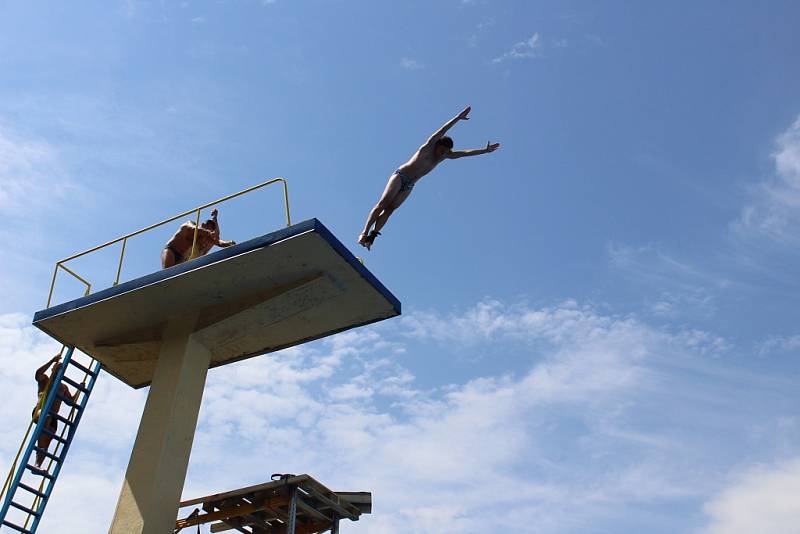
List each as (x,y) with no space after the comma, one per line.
(151,492)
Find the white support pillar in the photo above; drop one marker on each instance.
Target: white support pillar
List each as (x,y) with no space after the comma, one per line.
(151,492)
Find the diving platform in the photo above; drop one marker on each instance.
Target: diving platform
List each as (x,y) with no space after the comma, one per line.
(279,290)
(166,329)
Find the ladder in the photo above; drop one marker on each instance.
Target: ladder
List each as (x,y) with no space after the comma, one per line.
(27,492)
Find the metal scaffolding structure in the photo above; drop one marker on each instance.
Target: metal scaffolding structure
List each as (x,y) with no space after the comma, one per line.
(291,505)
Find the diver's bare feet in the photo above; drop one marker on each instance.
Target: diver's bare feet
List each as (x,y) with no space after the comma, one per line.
(362,240)
(370,239)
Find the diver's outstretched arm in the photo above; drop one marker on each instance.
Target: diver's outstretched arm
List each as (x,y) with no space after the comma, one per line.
(449,124)
(490,147)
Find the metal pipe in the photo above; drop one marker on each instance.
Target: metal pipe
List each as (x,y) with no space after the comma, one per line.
(121,257)
(76,275)
(292,511)
(52,285)
(73,273)
(196,229)
(286,201)
(240,193)
(340,510)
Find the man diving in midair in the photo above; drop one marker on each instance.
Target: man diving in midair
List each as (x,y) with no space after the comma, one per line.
(436,149)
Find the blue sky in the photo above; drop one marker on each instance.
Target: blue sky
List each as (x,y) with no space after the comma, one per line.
(600,324)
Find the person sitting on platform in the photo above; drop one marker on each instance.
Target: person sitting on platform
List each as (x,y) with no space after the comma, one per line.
(179,248)
(436,149)
(50,423)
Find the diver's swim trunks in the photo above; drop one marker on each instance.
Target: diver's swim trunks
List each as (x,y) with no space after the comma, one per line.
(406,183)
(178,256)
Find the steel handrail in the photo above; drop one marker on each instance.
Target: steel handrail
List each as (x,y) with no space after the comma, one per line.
(124,238)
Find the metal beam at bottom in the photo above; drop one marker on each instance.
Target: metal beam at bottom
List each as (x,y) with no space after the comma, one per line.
(292,511)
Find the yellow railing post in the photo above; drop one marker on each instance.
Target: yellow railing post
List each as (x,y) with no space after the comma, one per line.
(194,239)
(76,275)
(121,257)
(286,201)
(52,285)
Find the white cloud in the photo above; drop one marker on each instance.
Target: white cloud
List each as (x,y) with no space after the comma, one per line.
(129,8)
(460,443)
(595,40)
(780,344)
(530,48)
(673,287)
(410,64)
(464,442)
(439,454)
(567,323)
(31,175)
(480,29)
(763,499)
(35,191)
(654,265)
(773,210)
(672,304)
(21,347)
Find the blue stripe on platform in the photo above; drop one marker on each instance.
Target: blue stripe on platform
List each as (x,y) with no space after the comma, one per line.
(220,255)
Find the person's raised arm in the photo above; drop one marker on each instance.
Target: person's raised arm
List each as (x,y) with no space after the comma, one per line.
(40,372)
(205,232)
(449,124)
(455,154)
(214,214)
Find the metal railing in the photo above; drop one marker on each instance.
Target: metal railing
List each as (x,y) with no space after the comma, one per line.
(124,239)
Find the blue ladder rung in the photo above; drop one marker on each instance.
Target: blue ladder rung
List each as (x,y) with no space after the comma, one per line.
(74,384)
(62,419)
(24,509)
(31,490)
(68,402)
(82,368)
(17,527)
(54,435)
(39,471)
(49,455)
